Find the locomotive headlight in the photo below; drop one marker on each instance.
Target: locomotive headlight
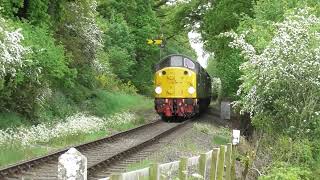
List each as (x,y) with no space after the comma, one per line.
(191,90)
(158,90)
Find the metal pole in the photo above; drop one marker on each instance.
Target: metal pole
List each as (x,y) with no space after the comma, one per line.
(160,52)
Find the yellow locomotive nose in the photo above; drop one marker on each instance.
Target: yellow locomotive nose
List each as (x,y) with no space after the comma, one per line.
(175,82)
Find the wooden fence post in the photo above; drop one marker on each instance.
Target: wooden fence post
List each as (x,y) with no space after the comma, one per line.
(233,165)
(214,162)
(183,169)
(228,161)
(116,176)
(202,165)
(72,165)
(154,172)
(220,170)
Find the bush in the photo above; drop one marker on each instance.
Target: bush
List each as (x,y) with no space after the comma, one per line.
(58,106)
(296,152)
(281,85)
(284,171)
(11,120)
(32,67)
(103,103)
(216,89)
(111,82)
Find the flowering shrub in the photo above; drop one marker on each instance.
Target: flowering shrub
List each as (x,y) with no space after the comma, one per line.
(281,85)
(73,125)
(216,89)
(30,63)
(82,32)
(85,25)
(11,49)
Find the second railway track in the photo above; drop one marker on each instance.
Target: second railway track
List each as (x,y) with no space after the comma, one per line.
(100,153)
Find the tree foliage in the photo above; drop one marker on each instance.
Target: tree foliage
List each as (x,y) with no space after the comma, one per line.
(280,81)
(210,19)
(34,64)
(51,47)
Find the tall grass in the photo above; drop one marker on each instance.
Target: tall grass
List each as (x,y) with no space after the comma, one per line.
(14,153)
(104,103)
(12,120)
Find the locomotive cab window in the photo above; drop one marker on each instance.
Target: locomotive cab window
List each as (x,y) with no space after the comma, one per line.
(176,61)
(163,64)
(188,63)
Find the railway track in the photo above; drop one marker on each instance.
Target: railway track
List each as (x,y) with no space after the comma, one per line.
(143,154)
(100,153)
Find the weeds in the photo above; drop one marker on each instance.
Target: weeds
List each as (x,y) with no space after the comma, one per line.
(139,165)
(220,136)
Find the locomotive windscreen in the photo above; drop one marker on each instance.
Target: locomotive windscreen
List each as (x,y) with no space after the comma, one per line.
(176,61)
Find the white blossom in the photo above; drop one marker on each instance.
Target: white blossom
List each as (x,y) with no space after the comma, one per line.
(86,27)
(73,125)
(44,94)
(11,50)
(283,79)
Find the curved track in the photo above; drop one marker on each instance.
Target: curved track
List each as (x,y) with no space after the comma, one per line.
(100,153)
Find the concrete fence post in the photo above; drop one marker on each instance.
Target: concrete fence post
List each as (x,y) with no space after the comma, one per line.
(214,163)
(72,165)
(225,110)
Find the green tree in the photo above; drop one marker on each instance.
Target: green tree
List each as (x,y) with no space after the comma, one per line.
(120,45)
(44,67)
(82,38)
(143,24)
(210,19)
(221,17)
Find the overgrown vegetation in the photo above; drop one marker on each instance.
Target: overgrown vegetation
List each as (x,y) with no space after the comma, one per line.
(59,58)
(280,88)
(52,59)
(266,55)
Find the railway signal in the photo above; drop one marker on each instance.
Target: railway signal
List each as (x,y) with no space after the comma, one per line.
(154,41)
(158,42)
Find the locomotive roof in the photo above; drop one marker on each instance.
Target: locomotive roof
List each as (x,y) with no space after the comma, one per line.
(166,57)
(196,62)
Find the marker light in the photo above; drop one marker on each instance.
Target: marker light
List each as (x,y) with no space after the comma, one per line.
(191,90)
(158,90)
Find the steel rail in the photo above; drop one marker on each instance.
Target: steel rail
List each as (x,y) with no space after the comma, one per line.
(132,150)
(20,168)
(25,165)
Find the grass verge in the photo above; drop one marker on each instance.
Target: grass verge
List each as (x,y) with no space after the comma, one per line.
(14,153)
(103,104)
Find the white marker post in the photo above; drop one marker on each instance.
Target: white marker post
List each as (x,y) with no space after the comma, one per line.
(235,137)
(72,166)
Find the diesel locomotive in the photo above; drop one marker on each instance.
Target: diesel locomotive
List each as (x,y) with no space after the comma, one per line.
(182,87)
